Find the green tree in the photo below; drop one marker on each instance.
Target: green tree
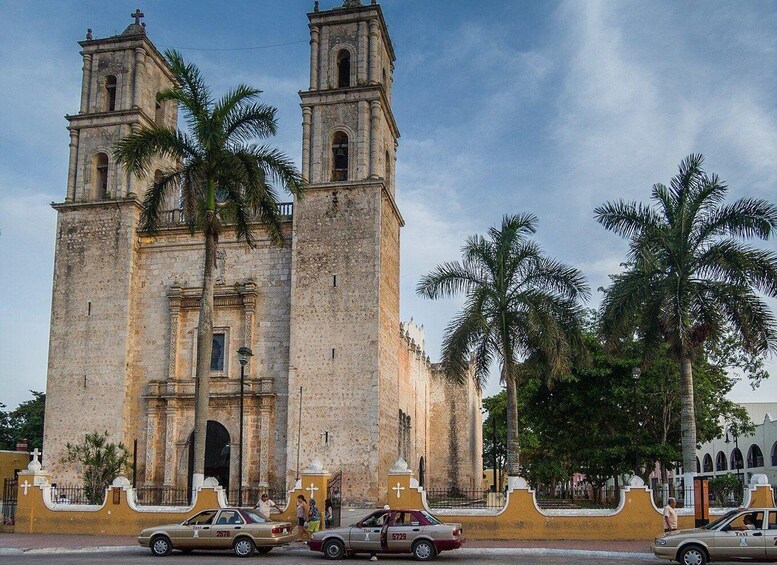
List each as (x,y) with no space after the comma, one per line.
(689,279)
(519,302)
(24,422)
(102,461)
(495,434)
(223,178)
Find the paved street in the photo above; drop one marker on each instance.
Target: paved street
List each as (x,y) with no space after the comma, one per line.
(468,556)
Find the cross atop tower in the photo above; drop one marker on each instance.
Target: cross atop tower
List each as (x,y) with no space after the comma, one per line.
(137,15)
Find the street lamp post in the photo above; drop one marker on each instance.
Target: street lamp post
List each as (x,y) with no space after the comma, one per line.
(635,374)
(243,354)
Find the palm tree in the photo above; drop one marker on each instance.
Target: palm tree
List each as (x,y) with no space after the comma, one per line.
(519,303)
(689,279)
(223,178)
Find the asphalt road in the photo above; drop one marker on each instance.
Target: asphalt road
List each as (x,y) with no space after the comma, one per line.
(472,556)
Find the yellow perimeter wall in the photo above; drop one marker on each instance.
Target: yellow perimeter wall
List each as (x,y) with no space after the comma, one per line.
(12,461)
(635,519)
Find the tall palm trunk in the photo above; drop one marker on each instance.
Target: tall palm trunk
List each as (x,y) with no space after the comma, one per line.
(513,445)
(204,352)
(687,421)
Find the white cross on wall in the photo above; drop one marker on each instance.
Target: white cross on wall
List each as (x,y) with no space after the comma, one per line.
(25,486)
(311,489)
(35,453)
(398,488)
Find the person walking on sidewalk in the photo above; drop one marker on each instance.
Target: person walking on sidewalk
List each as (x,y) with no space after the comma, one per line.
(302,518)
(314,517)
(670,515)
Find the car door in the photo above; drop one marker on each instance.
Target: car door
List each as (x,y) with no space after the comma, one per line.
(742,538)
(194,532)
(404,528)
(770,536)
(365,536)
(228,524)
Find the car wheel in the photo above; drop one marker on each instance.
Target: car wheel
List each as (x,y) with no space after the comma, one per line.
(244,547)
(263,550)
(334,549)
(161,546)
(692,555)
(423,550)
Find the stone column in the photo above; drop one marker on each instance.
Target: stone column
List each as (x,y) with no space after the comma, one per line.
(264,446)
(374,133)
(140,66)
(314,35)
(170,445)
(374,67)
(131,179)
(307,115)
(85,82)
(175,311)
(317,174)
(362,63)
(72,166)
(151,433)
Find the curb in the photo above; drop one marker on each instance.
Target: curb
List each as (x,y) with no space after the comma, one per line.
(536,551)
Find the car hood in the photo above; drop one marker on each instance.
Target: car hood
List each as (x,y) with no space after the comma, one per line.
(163,527)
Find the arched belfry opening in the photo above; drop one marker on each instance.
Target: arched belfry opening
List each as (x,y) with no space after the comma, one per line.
(340,156)
(217,448)
(343,68)
(110,93)
(100,178)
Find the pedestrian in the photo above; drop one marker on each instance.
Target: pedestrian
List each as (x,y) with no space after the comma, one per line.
(302,517)
(314,517)
(670,515)
(265,505)
(329,513)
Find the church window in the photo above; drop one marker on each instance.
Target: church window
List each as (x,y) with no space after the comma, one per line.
(388,168)
(110,93)
(217,353)
(343,69)
(340,156)
(403,439)
(100,176)
(159,114)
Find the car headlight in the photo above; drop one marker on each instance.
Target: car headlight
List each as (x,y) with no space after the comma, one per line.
(662,541)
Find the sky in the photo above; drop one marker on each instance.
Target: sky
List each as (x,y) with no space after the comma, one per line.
(548,107)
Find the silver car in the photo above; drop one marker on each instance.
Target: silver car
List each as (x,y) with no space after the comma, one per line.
(748,534)
(390,531)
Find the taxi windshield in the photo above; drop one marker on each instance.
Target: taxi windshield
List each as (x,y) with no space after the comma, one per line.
(719,521)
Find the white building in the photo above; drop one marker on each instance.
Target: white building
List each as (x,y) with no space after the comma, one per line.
(745,454)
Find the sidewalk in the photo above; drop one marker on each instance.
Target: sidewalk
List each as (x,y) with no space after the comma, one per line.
(15,543)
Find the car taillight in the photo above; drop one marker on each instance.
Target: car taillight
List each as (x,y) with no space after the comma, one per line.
(279,530)
(457,532)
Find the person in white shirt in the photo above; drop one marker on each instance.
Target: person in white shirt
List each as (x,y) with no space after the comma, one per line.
(265,505)
(670,516)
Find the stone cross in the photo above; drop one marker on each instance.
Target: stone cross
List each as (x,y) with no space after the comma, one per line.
(311,489)
(137,15)
(398,488)
(25,486)
(35,454)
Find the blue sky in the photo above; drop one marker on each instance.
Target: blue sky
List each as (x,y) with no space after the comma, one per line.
(543,107)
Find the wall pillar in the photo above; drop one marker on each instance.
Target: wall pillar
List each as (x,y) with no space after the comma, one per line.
(72,167)
(85,82)
(374,134)
(374,67)
(174,295)
(151,436)
(140,66)
(264,446)
(307,115)
(402,490)
(312,483)
(314,46)
(170,445)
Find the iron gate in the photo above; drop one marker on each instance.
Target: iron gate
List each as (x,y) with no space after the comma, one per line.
(334,497)
(10,493)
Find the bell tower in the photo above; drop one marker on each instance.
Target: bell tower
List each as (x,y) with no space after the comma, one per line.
(345,255)
(90,383)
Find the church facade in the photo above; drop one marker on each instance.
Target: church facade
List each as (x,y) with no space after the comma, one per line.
(335,375)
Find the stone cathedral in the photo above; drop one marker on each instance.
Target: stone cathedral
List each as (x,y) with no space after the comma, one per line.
(320,311)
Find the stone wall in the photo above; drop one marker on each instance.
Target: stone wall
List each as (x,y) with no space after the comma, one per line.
(456,454)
